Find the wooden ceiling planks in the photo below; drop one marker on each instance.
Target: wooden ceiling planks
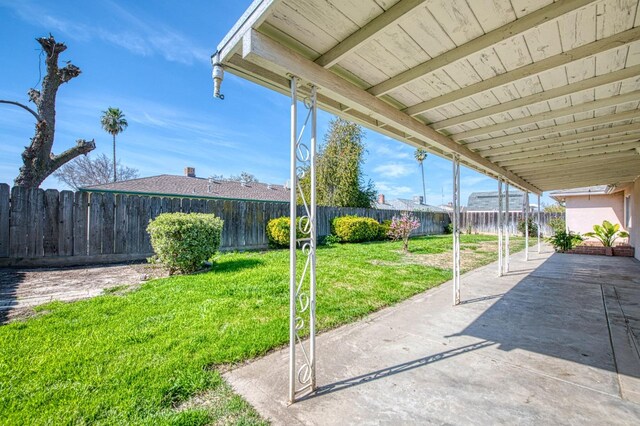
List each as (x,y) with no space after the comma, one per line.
(547,85)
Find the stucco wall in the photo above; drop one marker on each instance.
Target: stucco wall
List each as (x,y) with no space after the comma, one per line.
(585,211)
(634,228)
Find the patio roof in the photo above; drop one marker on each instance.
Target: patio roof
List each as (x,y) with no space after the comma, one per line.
(543,94)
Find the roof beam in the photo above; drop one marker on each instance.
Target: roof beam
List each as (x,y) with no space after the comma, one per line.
(575,137)
(622,175)
(597,121)
(266,52)
(569,89)
(504,32)
(630,169)
(612,42)
(565,148)
(560,185)
(367,32)
(585,152)
(571,163)
(550,115)
(255,14)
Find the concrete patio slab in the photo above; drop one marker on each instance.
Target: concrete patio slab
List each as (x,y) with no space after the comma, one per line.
(532,347)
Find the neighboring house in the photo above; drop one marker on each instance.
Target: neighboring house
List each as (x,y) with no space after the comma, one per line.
(488,202)
(191,186)
(415,204)
(592,205)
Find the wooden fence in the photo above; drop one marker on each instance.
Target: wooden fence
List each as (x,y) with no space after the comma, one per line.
(51,228)
(487,222)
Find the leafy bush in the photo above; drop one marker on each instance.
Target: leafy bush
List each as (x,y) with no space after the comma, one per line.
(557,224)
(401,228)
(278,231)
(533,227)
(607,233)
(352,229)
(383,230)
(182,242)
(331,240)
(563,241)
(449,228)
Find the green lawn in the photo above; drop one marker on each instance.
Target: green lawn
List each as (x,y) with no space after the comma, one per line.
(133,358)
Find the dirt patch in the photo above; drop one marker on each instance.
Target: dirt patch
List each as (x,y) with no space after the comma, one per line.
(472,255)
(23,289)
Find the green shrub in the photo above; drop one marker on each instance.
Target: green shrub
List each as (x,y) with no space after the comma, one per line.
(331,240)
(563,241)
(352,229)
(557,224)
(533,227)
(383,230)
(449,228)
(182,242)
(278,231)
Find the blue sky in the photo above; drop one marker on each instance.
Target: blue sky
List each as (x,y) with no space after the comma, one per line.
(151,60)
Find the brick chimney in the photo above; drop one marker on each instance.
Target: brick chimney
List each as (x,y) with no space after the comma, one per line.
(190,172)
(418,199)
(380,198)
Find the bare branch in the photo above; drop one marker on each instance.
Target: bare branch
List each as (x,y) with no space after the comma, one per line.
(35,114)
(68,72)
(82,147)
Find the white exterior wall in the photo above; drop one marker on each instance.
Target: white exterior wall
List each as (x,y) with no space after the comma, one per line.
(584,211)
(634,222)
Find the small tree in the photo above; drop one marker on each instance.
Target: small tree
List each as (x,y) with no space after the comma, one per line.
(420,155)
(87,171)
(401,228)
(340,179)
(114,123)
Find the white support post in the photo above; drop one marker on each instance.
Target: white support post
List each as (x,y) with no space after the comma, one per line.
(525,203)
(539,230)
(500,228)
(302,286)
(293,282)
(456,230)
(507,230)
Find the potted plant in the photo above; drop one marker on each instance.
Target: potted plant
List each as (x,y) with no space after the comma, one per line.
(607,234)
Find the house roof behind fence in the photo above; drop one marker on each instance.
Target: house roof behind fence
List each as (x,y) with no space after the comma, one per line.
(488,201)
(171,185)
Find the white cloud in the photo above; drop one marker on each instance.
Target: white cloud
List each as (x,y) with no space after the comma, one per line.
(140,37)
(394,170)
(387,152)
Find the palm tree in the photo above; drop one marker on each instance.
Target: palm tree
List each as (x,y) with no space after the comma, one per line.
(113,122)
(420,155)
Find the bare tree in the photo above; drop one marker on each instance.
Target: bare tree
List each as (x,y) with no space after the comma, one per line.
(38,160)
(244,177)
(86,171)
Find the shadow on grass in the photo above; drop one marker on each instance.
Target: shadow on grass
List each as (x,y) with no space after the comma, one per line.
(10,280)
(236,265)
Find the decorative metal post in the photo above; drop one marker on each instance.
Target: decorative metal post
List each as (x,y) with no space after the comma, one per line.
(302,283)
(507,230)
(500,226)
(539,248)
(525,203)
(456,229)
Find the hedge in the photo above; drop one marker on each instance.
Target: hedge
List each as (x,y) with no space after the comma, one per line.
(351,229)
(278,231)
(182,242)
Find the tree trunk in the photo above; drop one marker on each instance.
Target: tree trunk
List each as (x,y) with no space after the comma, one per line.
(115,177)
(38,160)
(424,188)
